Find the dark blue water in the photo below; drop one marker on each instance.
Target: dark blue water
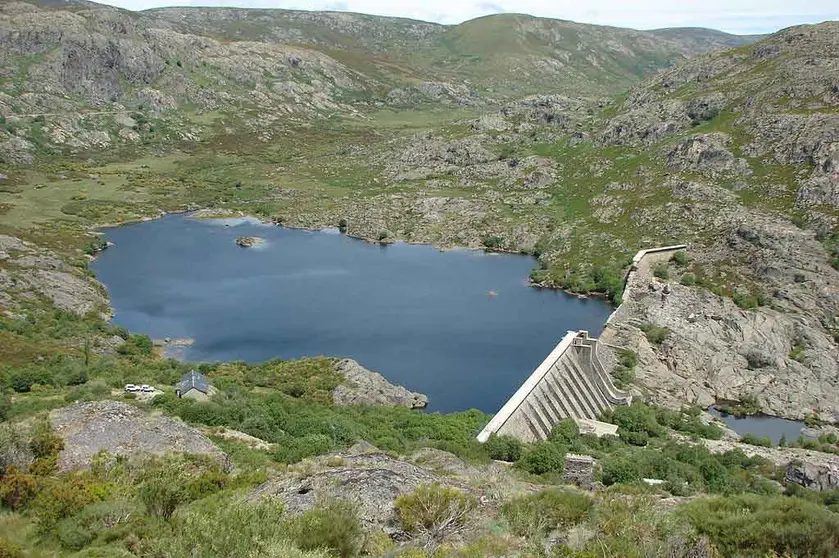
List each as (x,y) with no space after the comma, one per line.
(421,317)
(773,427)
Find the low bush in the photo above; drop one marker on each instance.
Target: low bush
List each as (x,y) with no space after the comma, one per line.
(752,525)
(635,418)
(256,531)
(541,458)
(171,483)
(565,432)
(504,448)
(333,526)
(680,258)
(45,446)
(493,242)
(624,370)
(432,512)
(655,334)
(688,279)
(748,301)
(661,271)
(538,514)
(17,489)
(749,405)
(15,450)
(64,496)
(620,470)
(9,549)
(754,440)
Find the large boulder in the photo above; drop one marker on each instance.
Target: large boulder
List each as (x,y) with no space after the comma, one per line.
(363,387)
(124,430)
(363,475)
(820,477)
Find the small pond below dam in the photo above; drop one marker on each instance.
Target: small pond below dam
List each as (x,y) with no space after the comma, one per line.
(461,326)
(763,426)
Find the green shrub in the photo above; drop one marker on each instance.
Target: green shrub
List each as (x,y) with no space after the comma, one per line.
(763,441)
(688,420)
(168,484)
(542,457)
(760,525)
(162,492)
(493,242)
(503,448)
(620,470)
(748,405)
(45,446)
(333,526)
(8,549)
(62,497)
(434,513)
(538,514)
(661,271)
(749,301)
(15,449)
(688,279)
(5,405)
(76,532)
(680,258)
(634,438)
(797,351)
(17,489)
(636,418)
(255,531)
(609,281)
(624,370)
(655,334)
(95,246)
(565,432)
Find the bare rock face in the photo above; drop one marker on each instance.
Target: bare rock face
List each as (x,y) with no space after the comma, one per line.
(707,154)
(813,476)
(364,387)
(124,430)
(38,271)
(717,351)
(364,475)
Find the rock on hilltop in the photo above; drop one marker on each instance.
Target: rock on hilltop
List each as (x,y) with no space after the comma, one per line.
(124,430)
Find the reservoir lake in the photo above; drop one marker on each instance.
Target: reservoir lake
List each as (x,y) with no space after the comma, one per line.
(463,326)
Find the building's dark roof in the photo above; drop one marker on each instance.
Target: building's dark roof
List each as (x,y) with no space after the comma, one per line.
(193,380)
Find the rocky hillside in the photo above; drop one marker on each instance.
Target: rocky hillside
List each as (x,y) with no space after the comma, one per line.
(502,133)
(69,57)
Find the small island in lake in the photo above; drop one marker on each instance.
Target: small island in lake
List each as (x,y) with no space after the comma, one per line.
(249,241)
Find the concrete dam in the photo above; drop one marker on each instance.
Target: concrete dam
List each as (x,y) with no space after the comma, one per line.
(570,383)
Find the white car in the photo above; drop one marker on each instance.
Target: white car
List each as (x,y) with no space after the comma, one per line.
(131,387)
(146,388)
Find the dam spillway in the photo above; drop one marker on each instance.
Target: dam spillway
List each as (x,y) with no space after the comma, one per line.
(570,383)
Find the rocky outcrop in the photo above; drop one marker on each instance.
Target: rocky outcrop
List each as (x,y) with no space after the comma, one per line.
(35,271)
(124,430)
(363,475)
(718,351)
(706,154)
(363,387)
(813,476)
